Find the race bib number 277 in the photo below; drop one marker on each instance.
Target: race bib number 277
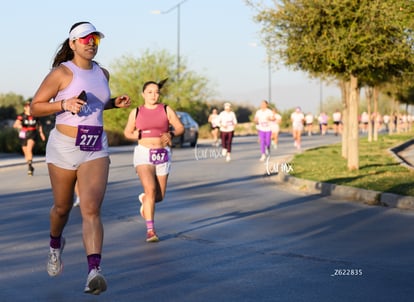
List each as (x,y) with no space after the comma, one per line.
(89,138)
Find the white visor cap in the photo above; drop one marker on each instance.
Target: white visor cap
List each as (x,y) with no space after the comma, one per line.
(82,30)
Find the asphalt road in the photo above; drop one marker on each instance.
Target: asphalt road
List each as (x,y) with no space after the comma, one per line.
(228,233)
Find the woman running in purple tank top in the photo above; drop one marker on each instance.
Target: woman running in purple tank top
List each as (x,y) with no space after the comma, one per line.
(77,149)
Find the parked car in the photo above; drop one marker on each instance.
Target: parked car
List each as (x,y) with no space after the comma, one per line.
(190,134)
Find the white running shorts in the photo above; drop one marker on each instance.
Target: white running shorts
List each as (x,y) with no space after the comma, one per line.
(297,126)
(274,128)
(142,157)
(62,152)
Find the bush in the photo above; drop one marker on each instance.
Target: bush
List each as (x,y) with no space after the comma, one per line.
(117,138)
(9,141)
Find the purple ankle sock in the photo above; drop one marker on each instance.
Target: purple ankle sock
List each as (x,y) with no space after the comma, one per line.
(55,242)
(94,261)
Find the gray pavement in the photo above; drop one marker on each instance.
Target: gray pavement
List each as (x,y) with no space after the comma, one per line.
(403,153)
(228,231)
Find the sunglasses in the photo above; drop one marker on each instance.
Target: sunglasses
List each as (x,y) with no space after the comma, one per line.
(87,39)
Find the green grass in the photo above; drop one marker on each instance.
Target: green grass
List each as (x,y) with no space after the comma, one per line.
(378,170)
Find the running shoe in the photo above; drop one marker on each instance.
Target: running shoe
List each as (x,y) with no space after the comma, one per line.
(152,236)
(96,283)
(228,157)
(263,157)
(77,202)
(54,264)
(141,209)
(30,170)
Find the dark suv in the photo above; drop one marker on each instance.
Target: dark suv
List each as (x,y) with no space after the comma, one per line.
(190,131)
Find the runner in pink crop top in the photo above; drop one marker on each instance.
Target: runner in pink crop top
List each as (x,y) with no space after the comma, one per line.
(152,122)
(149,125)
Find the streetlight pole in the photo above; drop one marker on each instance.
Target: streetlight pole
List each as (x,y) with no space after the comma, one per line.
(269,78)
(320,95)
(178,38)
(178,8)
(269,67)
(269,74)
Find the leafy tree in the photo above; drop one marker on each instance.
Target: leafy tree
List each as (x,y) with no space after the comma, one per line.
(129,73)
(354,41)
(10,105)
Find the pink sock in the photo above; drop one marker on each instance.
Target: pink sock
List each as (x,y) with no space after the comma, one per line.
(150,224)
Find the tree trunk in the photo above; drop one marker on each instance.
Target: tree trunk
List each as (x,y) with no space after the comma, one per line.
(345,125)
(392,127)
(353,137)
(368,94)
(397,124)
(376,113)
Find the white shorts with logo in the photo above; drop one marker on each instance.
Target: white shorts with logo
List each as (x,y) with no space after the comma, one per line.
(142,157)
(62,152)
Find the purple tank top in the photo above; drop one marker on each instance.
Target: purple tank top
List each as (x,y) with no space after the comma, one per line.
(95,84)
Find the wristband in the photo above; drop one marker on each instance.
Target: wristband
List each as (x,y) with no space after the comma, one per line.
(113,103)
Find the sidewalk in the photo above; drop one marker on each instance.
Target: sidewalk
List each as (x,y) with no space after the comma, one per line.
(13,159)
(405,153)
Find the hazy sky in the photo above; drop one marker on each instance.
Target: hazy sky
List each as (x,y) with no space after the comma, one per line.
(219,40)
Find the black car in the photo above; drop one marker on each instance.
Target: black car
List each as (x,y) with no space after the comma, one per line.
(190,134)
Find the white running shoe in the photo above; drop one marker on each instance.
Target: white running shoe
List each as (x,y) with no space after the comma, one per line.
(141,209)
(77,202)
(54,264)
(228,157)
(263,157)
(224,152)
(96,283)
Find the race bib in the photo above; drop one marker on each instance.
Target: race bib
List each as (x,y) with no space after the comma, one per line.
(89,138)
(22,134)
(158,156)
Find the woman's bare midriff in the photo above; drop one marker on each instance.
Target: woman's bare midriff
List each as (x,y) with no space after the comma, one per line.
(151,142)
(67,130)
